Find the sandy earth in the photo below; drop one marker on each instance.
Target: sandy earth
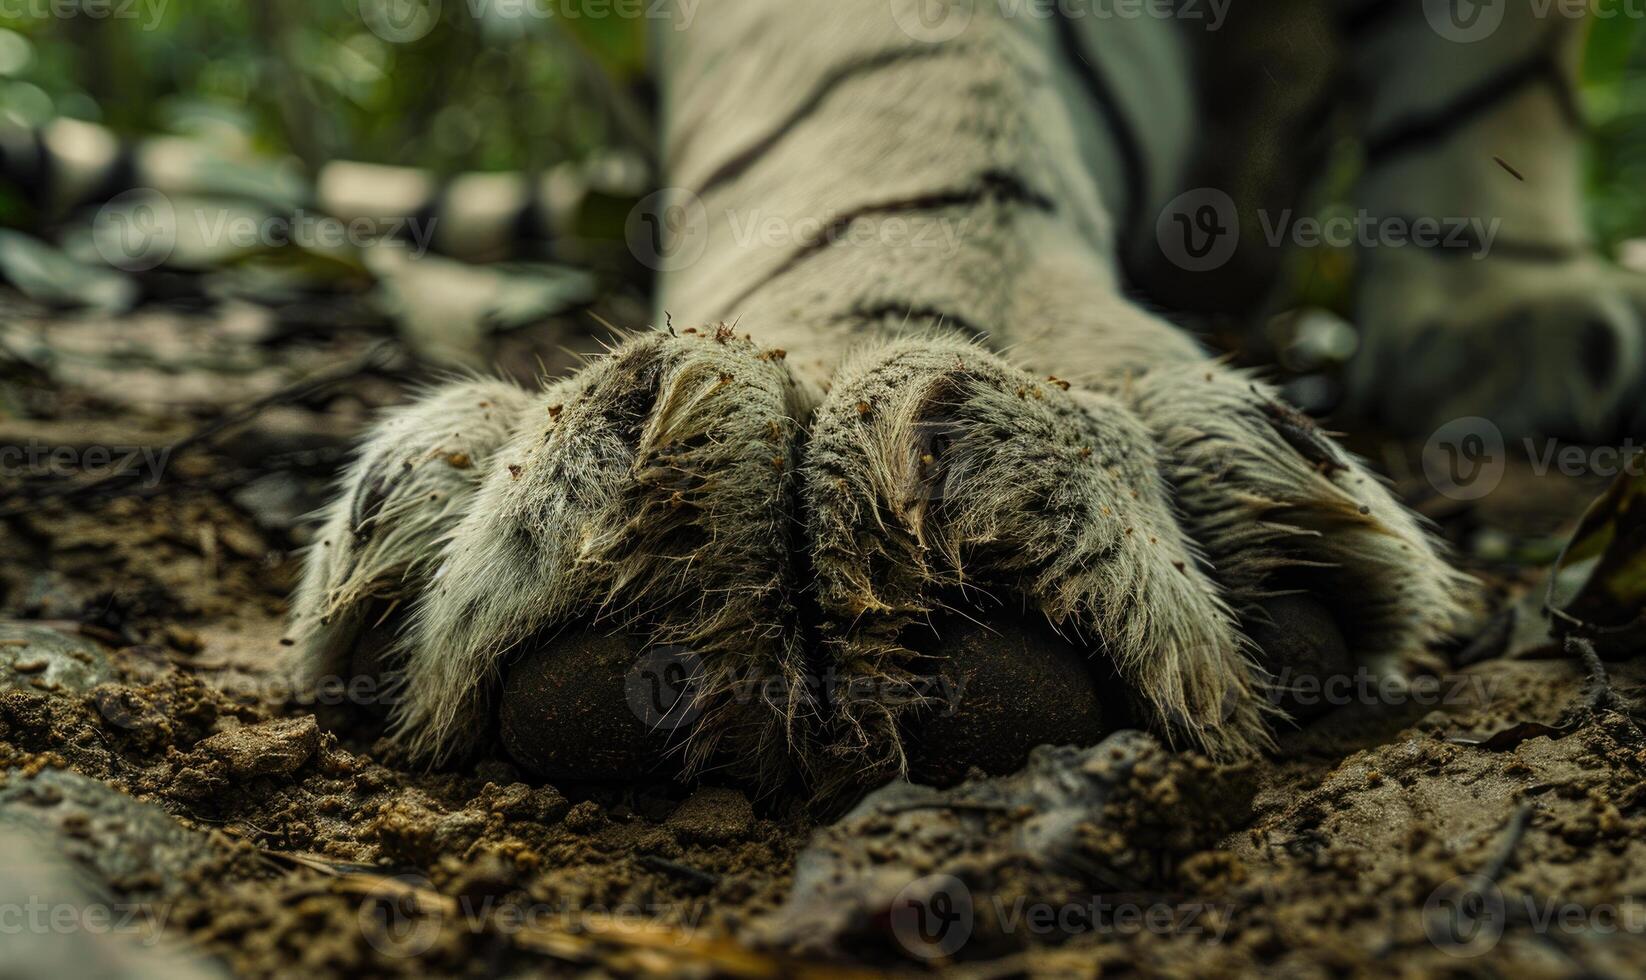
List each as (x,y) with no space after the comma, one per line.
(1492,822)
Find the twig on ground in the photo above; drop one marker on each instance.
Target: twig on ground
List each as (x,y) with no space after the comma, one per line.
(1513,833)
(695,875)
(1597,687)
(374,359)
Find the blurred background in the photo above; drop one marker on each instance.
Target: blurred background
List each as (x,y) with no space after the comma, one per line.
(489,87)
(277,89)
(478,91)
(485,86)
(210,341)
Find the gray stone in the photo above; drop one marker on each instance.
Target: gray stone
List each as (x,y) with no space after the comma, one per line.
(38,658)
(907,849)
(65,925)
(133,847)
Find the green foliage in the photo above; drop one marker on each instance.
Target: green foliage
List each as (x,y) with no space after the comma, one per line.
(492,84)
(1614,94)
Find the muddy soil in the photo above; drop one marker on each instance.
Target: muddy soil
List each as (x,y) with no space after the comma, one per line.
(147,732)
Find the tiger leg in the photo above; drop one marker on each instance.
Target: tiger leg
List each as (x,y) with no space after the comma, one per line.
(996,418)
(1504,309)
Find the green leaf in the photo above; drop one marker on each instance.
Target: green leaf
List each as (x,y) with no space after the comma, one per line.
(1609,606)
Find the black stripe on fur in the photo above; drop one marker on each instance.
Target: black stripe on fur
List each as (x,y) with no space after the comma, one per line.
(741,161)
(1425,128)
(916,316)
(1118,126)
(994,185)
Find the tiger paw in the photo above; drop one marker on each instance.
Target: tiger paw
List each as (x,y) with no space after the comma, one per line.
(611,575)
(1538,347)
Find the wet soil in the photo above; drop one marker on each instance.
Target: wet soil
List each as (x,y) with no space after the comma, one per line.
(144,720)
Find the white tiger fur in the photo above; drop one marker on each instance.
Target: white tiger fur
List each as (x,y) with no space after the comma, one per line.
(1544,336)
(1095,464)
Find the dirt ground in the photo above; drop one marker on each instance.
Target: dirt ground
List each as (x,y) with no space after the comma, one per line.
(1491,822)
